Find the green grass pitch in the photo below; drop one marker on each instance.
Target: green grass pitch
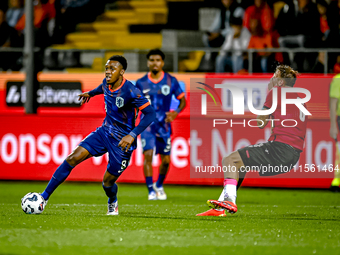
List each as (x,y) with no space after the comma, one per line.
(269,221)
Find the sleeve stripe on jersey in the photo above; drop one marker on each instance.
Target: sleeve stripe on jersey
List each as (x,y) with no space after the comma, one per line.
(180,95)
(144,105)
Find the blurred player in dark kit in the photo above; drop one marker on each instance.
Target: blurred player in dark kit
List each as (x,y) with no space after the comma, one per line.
(158,87)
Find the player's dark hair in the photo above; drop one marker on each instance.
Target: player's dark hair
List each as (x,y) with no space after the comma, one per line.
(155,52)
(288,74)
(236,21)
(322,2)
(120,59)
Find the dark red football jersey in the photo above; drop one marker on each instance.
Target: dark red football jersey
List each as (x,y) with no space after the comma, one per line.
(294,134)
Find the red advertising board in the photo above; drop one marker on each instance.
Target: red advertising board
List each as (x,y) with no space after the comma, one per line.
(32,146)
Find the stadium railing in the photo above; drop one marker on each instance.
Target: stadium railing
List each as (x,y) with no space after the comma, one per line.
(177,51)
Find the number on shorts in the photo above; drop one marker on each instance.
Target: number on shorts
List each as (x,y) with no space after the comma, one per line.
(123,164)
(168,145)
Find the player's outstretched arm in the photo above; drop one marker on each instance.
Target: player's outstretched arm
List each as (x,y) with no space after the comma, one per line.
(149,117)
(171,116)
(85,97)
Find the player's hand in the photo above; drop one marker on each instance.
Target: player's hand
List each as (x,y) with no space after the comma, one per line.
(84,97)
(170,116)
(333,132)
(126,142)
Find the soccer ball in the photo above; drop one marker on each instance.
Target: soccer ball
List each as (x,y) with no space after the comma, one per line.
(32,203)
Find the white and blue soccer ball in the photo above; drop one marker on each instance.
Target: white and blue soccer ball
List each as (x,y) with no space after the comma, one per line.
(33,203)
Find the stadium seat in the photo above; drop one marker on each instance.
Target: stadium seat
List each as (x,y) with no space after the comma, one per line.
(111,29)
(192,63)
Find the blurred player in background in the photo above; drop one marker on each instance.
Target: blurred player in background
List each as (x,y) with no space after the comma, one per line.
(158,87)
(282,149)
(334,96)
(117,135)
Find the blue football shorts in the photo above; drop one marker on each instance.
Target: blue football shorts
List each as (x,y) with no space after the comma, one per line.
(151,139)
(98,143)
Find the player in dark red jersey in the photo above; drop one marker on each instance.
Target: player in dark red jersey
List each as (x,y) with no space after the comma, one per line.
(282,149)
